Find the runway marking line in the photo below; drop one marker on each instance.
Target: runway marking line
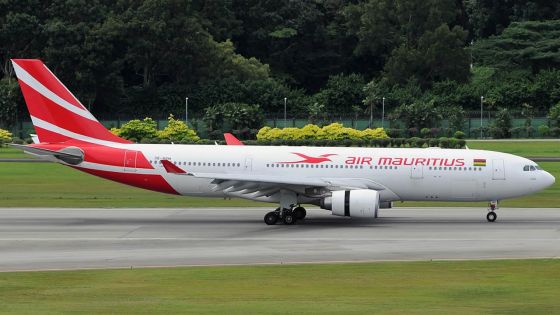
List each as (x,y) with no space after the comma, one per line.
(281,263)
(27,239)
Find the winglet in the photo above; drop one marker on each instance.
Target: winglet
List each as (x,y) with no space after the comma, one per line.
(231,139)
(172,168)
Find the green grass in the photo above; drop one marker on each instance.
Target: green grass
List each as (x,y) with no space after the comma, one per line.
(522,148)
(54,185)
(11,153)
(460,287)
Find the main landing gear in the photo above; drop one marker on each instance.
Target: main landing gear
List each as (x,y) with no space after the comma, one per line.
(492,216)
(288,216)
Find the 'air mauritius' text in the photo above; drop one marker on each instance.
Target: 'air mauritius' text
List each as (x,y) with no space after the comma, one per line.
(397,161)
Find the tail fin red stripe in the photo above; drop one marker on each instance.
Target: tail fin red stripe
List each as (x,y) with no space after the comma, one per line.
(40,72)
(54,108)
(59,116)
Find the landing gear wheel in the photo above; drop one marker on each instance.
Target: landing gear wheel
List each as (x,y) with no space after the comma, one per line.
(289,218)
(271,218)
(299,213)
(491,216)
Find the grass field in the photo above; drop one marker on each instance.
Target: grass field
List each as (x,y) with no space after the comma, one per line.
(11,153)
(460,287)
(521,148)
(53,185)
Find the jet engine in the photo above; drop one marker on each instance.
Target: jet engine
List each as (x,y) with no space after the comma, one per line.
(360,203)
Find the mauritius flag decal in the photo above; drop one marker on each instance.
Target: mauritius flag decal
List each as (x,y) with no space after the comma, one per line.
(479,162)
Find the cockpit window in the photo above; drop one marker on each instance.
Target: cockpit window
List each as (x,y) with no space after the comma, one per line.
(531,168)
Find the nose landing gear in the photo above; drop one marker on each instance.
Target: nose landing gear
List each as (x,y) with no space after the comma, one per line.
(288,216)
(492,216)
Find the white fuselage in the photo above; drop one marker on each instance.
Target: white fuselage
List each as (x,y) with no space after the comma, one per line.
(398,173)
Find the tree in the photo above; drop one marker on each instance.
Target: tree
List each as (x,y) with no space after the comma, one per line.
(489,17)
(9,97)
(419,114)
(532,45)
(342,92)
(502,124)
(233,116)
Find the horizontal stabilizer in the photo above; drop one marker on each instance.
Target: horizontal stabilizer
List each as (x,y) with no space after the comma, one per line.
(70,155)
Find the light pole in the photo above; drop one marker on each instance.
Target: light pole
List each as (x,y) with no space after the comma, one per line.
(285,100)
(481,102)
(383,114)
(187,111)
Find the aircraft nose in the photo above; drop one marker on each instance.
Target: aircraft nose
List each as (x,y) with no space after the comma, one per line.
(549,180)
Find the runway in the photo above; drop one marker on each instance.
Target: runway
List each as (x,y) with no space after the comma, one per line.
(38,239)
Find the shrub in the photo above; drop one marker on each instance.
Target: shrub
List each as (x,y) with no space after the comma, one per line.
(530,131)
(433,142)
(413,142)
(176,131)
(136,130)
(444,142)
(420,142)
(425,132)
(233,116)
(452,143)
(5,137)
(434,132)
(555,132)
(334,131)
(544,130)
(517,132)
(459,134)
(461,143)
(394,133)
(412,132)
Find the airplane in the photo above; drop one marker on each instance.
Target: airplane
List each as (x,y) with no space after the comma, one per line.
(351,182)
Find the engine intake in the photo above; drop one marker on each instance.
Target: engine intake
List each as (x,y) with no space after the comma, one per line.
(360,203)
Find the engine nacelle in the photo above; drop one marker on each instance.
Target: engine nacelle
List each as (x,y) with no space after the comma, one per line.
(360,203)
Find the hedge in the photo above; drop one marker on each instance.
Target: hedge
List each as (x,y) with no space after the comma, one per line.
(375,143)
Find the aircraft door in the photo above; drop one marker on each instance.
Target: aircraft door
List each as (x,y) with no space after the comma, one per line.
(130,161)
(498,170)
(248,164)
(416,171)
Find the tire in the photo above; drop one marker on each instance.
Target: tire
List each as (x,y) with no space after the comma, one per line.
(491,216)
(300,213)
(289,219)
(271,218)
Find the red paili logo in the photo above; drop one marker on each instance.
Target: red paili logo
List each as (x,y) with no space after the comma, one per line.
(310,159)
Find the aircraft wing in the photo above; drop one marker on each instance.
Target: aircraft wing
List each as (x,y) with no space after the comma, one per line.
(251,183)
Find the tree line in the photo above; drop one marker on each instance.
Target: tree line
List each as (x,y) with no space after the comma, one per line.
(428,58)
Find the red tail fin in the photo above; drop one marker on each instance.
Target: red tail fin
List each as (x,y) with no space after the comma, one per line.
(56,113)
